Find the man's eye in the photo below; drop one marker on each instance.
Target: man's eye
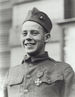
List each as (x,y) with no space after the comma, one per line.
(34,32)
(25,33)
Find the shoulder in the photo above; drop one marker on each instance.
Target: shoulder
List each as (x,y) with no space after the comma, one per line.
(16,70)
(61,70)
(65,69)
(61,66)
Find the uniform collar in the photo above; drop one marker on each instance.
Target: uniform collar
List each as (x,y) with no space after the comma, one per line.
(35,59)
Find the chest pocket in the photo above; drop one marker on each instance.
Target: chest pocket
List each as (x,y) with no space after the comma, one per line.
(48,78)
(15,80)
(14,83)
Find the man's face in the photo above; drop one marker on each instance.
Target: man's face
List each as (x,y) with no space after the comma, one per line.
(33,38)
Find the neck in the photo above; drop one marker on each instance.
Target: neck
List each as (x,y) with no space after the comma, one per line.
(35,54)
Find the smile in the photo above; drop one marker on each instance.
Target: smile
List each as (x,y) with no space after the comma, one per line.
(29,44)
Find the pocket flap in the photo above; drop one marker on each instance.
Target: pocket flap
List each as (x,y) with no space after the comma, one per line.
(56,76)
(15,77)
(51,78)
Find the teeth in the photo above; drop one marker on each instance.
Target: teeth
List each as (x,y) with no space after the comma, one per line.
(29,43)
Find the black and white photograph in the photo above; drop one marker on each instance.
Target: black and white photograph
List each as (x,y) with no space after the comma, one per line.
(37,48)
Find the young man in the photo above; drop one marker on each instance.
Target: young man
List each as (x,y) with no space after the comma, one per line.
(38,75)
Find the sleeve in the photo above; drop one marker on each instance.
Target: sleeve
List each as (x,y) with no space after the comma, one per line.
(5,90)
(69,82)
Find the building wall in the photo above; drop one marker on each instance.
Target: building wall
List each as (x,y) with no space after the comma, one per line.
(70,45)
(54,8)
(5,24)
(68,27)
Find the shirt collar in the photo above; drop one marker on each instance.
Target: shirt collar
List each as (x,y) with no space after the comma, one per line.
(34,59)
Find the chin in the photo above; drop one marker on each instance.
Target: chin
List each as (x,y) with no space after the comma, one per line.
(33,53)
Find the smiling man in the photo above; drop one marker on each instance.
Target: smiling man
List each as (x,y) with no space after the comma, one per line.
(38,75)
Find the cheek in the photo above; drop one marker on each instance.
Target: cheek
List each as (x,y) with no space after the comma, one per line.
(22,39)
(41,42)
(39,38)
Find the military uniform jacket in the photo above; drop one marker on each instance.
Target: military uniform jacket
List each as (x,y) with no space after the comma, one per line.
(40,77)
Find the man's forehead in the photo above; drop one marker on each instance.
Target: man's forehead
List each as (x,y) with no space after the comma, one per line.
(31,24)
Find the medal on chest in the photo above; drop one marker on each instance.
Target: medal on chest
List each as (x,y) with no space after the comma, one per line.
(38,80)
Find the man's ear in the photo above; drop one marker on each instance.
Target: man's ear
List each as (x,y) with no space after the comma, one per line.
(47,37)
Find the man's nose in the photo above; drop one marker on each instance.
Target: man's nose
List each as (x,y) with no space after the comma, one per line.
(29,37)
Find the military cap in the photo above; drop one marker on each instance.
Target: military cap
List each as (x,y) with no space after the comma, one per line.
(39,17)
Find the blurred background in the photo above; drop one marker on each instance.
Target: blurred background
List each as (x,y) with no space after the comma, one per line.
(61,46)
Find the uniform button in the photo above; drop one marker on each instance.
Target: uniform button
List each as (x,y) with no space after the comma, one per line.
(49,81)
(25,91)
(28,76)
(40,74)
(30,65)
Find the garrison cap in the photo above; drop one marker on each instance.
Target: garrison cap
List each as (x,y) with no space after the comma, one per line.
(39,17)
